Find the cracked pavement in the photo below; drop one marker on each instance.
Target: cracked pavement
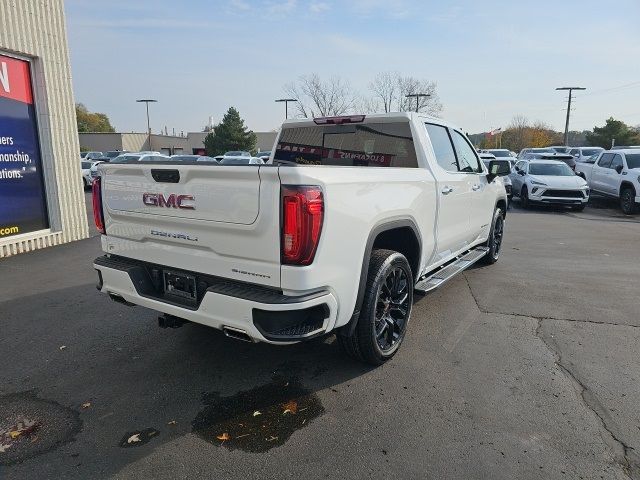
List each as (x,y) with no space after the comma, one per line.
(525,369)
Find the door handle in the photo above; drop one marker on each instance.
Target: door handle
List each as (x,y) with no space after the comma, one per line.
(475,188)
(447,190)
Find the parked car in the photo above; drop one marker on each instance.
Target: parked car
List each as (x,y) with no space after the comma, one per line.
(131,157)
(316,242)
(90,155)
(241,161)
(560,148)
(487,158)
(86,166)
(524,151)
(501,153)
(264,155)
(193,158)
(548,182)
(237,153)
(562,157)
(615,174)
(581,154)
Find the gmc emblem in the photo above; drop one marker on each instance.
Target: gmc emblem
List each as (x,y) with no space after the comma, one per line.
(172,201)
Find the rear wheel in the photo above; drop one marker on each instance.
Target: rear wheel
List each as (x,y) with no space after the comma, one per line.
(386,309)
(628,201)
(524,197)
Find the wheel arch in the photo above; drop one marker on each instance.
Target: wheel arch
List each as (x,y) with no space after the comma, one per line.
(626,184)
(401,235)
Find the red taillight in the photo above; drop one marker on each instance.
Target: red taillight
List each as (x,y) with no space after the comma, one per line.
(339,120)
(96,196)
(302,214)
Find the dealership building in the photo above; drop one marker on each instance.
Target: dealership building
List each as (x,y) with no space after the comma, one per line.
(191,143)
(42,200)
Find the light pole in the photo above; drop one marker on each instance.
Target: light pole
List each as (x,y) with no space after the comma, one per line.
(566,125)
(286,105)
(147,101)
(417,97)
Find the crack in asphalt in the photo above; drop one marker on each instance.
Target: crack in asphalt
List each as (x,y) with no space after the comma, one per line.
(541,317)
(624,454)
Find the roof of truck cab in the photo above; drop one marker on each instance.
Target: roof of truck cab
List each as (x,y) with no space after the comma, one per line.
(379,117)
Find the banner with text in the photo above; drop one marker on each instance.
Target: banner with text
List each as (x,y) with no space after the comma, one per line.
(22,196)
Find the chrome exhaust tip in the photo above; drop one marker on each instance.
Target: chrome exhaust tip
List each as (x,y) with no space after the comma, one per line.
(237,333)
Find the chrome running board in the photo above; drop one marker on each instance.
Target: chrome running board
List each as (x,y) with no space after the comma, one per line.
(433,280)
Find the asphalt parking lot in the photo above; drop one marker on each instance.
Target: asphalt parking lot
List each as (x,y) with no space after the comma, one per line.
(525,369)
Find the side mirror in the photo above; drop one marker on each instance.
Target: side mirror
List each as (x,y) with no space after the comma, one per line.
(619,169)
(498,169)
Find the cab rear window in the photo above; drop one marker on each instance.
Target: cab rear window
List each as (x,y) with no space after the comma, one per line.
(360,145)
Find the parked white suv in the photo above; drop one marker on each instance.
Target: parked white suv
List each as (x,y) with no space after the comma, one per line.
(615,174)
(582,154)
(350,215)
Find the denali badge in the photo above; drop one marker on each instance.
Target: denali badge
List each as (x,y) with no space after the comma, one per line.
(172,201)
(178,235)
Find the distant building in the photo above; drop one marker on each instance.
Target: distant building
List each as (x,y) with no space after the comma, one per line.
(192,143)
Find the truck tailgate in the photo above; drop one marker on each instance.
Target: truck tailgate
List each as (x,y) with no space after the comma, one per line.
(216,220)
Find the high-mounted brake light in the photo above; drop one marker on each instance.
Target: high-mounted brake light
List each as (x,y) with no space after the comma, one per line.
(302,215)
(339,120)
(96,197)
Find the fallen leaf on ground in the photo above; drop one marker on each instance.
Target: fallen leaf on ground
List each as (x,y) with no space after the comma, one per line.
(15,434)
(225,436)
(134,438)
(86,405)
(256,413)
(172,422)
(290,407)
(271,439)
(62,347)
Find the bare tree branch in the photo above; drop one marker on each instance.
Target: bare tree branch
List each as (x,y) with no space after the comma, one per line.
(317,97)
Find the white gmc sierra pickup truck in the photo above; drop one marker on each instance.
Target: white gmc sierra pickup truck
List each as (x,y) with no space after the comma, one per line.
(334,233)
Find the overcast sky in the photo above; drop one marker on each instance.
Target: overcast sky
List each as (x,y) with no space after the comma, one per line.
(490,59)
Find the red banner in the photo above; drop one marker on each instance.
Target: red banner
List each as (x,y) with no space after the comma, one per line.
(15,79)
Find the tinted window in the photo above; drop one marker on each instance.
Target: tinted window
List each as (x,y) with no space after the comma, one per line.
(467,159)
(587,152)
(442,147)
(551,169)
(616,162)
(605,160)
(86,165)
(633,160)
(362,145)
(500,153)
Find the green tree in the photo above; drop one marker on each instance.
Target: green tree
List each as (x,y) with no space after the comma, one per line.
(92,122)
(230,134)
(613,129)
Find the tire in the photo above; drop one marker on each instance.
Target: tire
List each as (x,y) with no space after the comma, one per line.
(524,197)
(379,331)
(578,208)
(496,235)
(628,201)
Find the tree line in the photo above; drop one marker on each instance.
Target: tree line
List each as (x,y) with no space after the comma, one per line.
(521,133)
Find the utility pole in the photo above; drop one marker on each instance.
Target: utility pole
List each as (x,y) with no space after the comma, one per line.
(147,101)
(566,125)
(286,105)
(417,97)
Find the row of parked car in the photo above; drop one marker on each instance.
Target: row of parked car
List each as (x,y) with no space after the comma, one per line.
(91,160)
(567,175)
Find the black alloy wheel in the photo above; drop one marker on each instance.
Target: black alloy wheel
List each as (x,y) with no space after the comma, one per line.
(392,309)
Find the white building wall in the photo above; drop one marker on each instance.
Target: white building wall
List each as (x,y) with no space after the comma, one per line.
(37,29)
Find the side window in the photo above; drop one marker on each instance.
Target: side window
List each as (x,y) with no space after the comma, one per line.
(467,158)
(573,151)
(442,147)
(520,166)
(605,160)
(616,162)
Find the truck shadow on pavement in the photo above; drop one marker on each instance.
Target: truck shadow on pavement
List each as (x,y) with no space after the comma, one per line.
(133,384)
